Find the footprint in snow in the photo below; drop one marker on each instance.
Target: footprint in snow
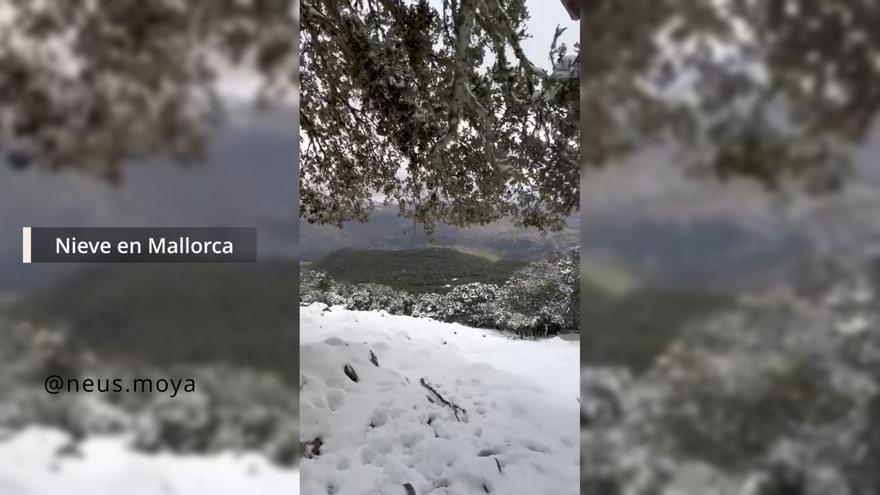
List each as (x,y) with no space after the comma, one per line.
(379,418)
(335,399)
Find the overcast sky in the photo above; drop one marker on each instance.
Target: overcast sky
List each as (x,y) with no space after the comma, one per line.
(545,16)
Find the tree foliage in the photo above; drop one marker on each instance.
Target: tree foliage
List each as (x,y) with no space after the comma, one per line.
(545,295)
(776,91)
(769,396)
(89,85)
(436,109)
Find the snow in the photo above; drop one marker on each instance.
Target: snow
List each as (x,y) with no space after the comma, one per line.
(520,401)
(32,463)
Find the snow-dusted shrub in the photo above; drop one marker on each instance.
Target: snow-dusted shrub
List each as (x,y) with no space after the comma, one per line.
(317,286)
(182,424)
(376,297)
(361,298)
(430,305)
(314,286)
(233,409)
(29,353)
(541,298)
(517,322)
(773,396)
(336,299)
(568,268)
(469,304)
(341,294)
(725,379)
(400,303)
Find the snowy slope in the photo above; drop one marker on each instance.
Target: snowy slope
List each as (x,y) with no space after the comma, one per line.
(30,464)
(517,432)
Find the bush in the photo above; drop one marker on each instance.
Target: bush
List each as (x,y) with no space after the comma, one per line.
(430,305)
(542,298)
(376,297)
(772,395)
(470,304)
(315,286)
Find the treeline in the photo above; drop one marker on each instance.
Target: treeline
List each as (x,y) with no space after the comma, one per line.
(416,270)
(540,299)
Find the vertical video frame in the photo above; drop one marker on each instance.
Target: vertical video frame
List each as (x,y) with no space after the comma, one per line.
(439,232)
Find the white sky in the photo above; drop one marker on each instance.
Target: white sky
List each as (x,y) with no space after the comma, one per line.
(545,16)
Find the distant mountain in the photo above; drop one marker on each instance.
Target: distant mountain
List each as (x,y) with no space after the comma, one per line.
(416,270)
(386,230)
(623,246)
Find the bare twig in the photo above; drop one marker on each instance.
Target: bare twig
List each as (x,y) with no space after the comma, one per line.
(455,408)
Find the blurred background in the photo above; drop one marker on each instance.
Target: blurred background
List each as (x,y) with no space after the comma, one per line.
(148,114)
(730,248)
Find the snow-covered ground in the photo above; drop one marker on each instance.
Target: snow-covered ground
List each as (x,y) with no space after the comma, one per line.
(39,461)
(517,431)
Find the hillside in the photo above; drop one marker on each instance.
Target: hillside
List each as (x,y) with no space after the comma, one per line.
(628,321)
(168,314)
(416,270)
(387,230)
(632,329)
